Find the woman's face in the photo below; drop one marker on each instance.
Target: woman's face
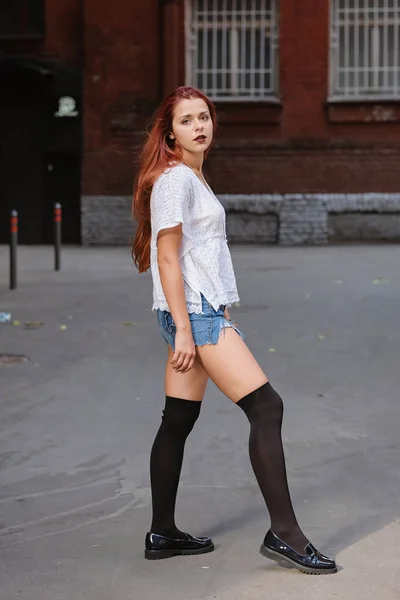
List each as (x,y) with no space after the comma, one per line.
(192,127)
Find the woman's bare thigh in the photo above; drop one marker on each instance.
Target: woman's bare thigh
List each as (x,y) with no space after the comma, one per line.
(231,365)
(190,385)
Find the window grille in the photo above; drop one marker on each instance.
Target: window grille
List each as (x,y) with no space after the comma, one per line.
(232,48)
(365,49)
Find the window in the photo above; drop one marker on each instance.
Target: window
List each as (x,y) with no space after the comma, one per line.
(365,49)
(22,18)
(232,48)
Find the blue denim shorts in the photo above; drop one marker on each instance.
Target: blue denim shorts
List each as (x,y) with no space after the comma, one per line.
(206,327)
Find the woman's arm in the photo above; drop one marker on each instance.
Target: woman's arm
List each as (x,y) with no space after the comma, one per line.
(168,244)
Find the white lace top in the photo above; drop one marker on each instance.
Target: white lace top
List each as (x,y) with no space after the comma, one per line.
(179,196)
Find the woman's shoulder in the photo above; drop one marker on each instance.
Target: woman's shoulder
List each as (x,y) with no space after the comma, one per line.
(176,175)
(176,167)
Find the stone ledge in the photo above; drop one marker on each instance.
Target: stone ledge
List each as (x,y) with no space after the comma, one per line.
(365,226)
(106,220)
(267,203)
(290,219)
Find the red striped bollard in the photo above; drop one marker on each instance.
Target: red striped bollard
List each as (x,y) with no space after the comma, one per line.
(13,248)
(57,236)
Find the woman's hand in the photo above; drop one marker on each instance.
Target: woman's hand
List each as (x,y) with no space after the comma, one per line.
(185,351)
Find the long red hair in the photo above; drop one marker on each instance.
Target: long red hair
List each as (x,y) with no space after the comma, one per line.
(158,151)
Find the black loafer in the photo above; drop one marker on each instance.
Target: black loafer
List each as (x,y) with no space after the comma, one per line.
(160,546)
(311,562)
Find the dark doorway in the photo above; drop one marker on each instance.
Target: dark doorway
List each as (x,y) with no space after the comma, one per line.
(21,170)
(40,154)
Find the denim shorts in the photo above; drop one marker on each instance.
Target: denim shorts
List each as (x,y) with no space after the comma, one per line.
(206,327)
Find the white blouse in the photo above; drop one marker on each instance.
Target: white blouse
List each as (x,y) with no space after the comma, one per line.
(179,196)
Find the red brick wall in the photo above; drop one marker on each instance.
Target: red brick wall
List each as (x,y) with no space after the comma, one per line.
(64,34)
(122,87)
(287,170)
(308,145)
(303,67)
(303,145)
(64,30)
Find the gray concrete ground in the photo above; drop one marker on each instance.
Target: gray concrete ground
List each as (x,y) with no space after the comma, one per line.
(78,419)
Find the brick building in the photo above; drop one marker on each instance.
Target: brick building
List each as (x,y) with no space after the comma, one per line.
(307,94)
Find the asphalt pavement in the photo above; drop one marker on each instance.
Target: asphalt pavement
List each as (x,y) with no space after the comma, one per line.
(81,398)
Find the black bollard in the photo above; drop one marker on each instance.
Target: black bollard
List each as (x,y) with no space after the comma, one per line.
(57,236)
(13,249)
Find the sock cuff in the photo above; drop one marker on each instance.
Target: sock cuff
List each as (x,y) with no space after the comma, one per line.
(253,398)
(182,404)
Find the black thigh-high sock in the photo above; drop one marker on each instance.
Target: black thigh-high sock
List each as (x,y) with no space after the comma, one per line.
(264,409)
(179,417)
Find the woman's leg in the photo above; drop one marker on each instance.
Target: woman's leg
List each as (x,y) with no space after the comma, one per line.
(232,367)
(184,393)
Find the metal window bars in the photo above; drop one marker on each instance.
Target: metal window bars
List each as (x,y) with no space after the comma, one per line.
(365,49)
(232,48)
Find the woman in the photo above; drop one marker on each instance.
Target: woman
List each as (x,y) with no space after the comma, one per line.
(181,236)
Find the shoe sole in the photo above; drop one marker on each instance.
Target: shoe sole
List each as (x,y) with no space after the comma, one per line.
(277,557)
(160,554)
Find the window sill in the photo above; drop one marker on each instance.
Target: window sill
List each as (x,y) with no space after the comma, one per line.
(249,111)
(363,111)
(367,99)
